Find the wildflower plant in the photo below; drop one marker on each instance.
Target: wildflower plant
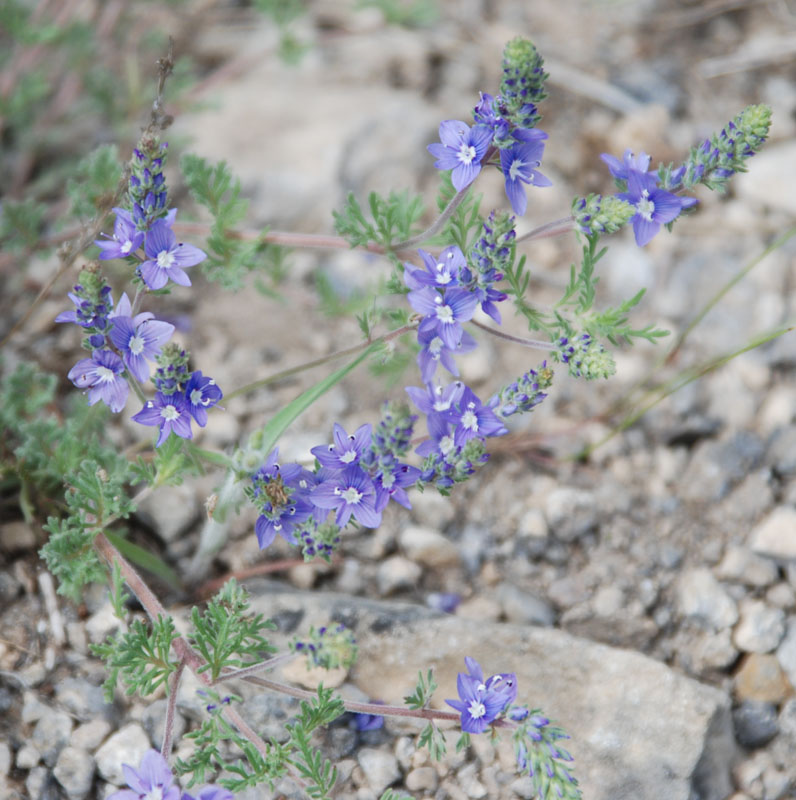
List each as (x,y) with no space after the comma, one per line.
(463,266)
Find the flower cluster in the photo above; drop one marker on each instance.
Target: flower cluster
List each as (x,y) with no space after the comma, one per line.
(524,394)
(123,342)
(326,647)
(481,701)
(585,357)
(504,133)
(153,779)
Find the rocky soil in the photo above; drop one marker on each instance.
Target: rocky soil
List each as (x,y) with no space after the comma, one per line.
(646,597)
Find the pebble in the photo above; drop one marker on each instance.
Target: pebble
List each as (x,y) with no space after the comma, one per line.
(397,573)
(522,608)
(102,623)
(533,525)
(51,734)
(428,547)
(5,759)
(36,784)
(74,770)
(17,537)
(432,509)
(83,699)
(468,780)
(761,678)
(126,746)
(786,652)
(422,779)
(742,565)
(380,768)
(480,607)
(774,536)
(171,511)
(755,723)
(27,757)
(703,599)
(571,513)
(782,448)
(90,735)
(787,722)
(760,628)
(154,721)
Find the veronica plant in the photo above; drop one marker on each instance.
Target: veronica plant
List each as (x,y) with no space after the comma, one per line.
(468,265)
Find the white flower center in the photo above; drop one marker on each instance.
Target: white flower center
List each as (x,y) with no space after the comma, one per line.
(445,314)
(136,345)
(127,246)
(515,168)
(169,413)
(348,456)
(470,421)
(645,206)
(388,480)
(351,495)
(165,259)
(196,398)
(443,274)
(105,375)
(155,793)
(435,347)
(477,709)
(446,444)
(466,153)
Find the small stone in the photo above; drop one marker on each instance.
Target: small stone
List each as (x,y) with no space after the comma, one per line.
(422,779)
(468,780)
(171,512)
(380,768)
(523,787)
(5,759)
(83,699)
(755,723)
(742,565)
(90,735)
(32,708)
(786,652)
(787,722)
(27,757)
(607,601)
(428,547)
(432,509)
(154,721)
(781,595)
(16,537)
(702,598)
(571,513)
(485,609)
(567,591)
(102,623)
(51,734)
(36,783)
(74,770)
(761,678)
(397,573)
(532,525)
(760,628)
(126,746)
(775,536)
(522,608)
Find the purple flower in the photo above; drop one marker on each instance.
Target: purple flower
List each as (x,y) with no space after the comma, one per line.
(391,483)
(519,163)
(153,779)
(461,150)
(436,402)
(433,351)
(487,113)
(170,412)
(349,491)
(481,702)
(102,375)
(126,238)
(211,792)
(201,393)
(475,420)
(167,258)
(654,206)
(440,272)
(138,338)
(369,722)
(444,315)
(346,450)
(630,163)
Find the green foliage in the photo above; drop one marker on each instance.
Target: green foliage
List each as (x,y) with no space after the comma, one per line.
(226,635)
(140,657)
(424,688)
(389,794)
(229,258)
(407,13)
(21,223)
(518,278)
(463,742)
(93,185)
(392,220)
(283,13)
(432,738)
(464,225)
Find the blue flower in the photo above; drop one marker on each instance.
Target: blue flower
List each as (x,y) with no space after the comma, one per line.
(474,420)
(167,258)
(201,393)
(102,375)
(170,413)
(434,351)
(126,238)
(481,702)
(518,164)
(654,206)
(391,483)
(346,450)
(152,779)
(461,150)
(138,338)
(440,272)
(630,163)
(444,315)
(349,492)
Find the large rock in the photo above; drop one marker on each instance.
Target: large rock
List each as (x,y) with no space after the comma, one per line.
(639,729)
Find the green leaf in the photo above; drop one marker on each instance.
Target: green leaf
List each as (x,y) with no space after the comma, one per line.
(144,559)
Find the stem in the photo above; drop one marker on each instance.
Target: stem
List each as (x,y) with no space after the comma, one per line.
(254,668)
(168,731)
(250,387)
(554,228)
(536,344)
(437,226)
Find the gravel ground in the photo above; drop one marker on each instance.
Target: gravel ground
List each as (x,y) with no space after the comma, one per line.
(647,594)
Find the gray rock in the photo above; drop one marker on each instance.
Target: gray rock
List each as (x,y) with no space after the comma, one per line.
(755,723)
(787,722)
(702,598)
(571,513)
(171,512)
(102,623)
(467,778)
(770,183)
(717,466)
(428,547)
(51,735)
(760,628)
(38,784)
(786,652)
(422,779)
(74,770)
(27,757)
(523,608)
(397,573)
(126,746)
(781,453)
(90,735)
(16,537)
(380,768)
(742,565)
(83,699)
(154,721)
(775,536)
(639,729)
(5,759)
(268,712)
